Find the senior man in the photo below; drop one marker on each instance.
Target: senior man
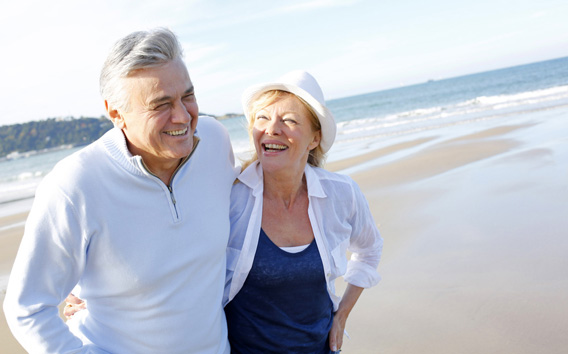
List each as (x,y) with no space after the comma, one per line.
(136,222)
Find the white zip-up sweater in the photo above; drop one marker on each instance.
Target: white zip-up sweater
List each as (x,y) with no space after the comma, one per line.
(148,259)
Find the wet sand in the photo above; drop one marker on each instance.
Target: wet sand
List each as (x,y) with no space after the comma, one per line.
(475,249)
(474,222)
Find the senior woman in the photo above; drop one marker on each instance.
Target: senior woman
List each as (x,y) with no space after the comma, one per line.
(291,224)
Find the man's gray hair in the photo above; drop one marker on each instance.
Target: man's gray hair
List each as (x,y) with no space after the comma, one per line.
(138,50)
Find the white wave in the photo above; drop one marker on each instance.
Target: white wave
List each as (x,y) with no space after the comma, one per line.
(11,226)
(25,175)
(529,97)
(381,127)
(474,108)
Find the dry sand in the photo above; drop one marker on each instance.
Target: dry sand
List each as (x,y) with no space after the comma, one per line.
(9,242)
(474,222)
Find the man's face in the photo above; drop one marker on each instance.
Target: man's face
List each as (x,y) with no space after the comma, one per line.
(161,121)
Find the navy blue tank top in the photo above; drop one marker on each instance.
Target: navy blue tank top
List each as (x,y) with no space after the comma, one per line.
(283,306)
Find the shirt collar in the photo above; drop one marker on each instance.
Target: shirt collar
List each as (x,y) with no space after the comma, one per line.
(315,188)
(252,178)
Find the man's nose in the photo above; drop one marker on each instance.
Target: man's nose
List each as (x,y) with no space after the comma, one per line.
(180,113)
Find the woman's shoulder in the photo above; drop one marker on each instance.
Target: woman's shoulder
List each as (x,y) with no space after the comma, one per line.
(337,187)
(239,187)
(240,193)
(333,177)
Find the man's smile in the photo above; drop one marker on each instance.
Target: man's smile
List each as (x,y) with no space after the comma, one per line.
(176,132)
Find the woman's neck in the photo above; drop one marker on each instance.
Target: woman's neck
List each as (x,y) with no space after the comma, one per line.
(286,187)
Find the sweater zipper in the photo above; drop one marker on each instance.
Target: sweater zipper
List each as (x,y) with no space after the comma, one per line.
(169,186)
(172,196)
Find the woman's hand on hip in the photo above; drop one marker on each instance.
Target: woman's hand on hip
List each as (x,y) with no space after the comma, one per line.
(336,333)
(350,297)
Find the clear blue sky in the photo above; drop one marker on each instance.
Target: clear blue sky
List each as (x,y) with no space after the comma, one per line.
(52,51)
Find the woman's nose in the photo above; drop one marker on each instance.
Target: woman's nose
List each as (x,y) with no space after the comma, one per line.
(273,127)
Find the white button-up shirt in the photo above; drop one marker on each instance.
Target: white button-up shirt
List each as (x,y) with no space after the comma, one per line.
(340,219)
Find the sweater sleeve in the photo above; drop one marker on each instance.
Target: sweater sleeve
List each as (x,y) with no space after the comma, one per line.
(49,262)
(365,243)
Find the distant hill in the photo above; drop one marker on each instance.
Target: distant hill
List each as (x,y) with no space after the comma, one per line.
(51,133)
(55,132)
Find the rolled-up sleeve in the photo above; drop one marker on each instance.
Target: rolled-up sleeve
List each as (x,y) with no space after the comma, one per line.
(365,244)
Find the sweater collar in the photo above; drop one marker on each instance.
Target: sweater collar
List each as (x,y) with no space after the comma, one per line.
(252,177)
(115,143)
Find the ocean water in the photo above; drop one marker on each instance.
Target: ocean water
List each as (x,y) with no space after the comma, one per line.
(366,119)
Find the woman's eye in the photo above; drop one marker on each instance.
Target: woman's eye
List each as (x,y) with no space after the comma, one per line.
(261,117)
(289,121)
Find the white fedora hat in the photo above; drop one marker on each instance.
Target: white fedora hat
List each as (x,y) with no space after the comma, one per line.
(303,85)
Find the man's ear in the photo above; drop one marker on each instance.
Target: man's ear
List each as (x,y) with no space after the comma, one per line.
(115,116)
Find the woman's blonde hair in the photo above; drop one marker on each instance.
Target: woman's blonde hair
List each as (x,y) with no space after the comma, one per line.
(316,157)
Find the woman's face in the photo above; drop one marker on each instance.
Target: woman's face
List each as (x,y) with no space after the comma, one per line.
(283,135)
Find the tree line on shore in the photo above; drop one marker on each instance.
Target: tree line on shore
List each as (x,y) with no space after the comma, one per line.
(51,133)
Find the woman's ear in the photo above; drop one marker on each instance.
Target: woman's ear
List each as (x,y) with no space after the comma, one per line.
(115,116)
(316,141)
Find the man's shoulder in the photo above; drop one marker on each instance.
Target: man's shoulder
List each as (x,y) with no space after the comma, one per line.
(78,165)
(209,125)
(213,135)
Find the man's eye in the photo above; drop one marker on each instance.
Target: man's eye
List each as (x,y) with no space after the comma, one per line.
(189,98)
(162,106)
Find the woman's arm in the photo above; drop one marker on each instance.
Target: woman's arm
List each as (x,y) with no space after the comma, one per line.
(365,244)
(347,303)
(73,305)
(366,247)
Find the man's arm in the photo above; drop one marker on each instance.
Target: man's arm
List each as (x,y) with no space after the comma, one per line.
(48,265)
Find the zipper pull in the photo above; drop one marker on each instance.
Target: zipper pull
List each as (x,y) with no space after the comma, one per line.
(172,195)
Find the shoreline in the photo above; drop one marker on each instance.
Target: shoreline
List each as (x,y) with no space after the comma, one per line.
(474,257)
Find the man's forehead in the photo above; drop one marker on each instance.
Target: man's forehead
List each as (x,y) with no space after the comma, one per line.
(172,72)
(152,86)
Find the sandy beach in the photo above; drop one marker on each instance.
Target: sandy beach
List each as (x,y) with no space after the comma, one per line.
(9,241)
(474,222)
